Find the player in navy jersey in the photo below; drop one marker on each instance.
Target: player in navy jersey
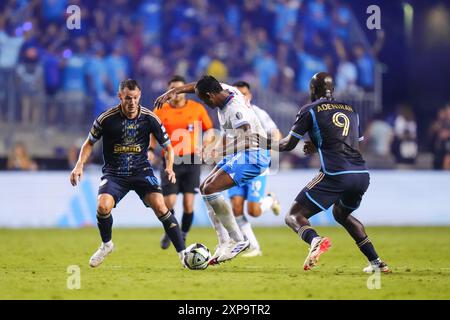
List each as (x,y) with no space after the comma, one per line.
(333,128)
(126,131)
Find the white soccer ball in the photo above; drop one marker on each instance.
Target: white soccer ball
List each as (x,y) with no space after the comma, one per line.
(196,256)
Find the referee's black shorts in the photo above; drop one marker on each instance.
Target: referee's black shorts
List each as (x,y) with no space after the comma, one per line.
(188,178)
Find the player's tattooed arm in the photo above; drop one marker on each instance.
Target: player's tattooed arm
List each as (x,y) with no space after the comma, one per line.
(85,152)
(187,88)
(169,155)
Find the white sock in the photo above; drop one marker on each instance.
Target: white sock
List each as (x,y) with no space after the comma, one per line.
(108,243)
(247,230)
(223,212)
(266,203)
(222,233)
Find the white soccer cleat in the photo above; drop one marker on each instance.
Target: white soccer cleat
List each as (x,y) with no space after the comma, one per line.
(381,266)
(319,245)
(253,252)
(276,207)
(233,250)
(220,249)
(100,255)
(181,255)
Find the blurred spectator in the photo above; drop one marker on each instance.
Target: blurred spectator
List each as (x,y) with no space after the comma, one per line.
(308,65)
(440,139)
(19,159)
(405,143)
(366,67)
(378,137)
(346,73)
(267,70)
(30,84)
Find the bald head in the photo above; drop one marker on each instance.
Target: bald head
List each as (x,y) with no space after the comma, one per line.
(321,86)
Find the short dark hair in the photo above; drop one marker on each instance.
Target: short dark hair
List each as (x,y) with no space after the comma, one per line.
(176,78)
(241,84)
(208,84)
(130,84)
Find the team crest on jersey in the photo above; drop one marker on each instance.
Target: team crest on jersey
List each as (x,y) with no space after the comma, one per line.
(239,115)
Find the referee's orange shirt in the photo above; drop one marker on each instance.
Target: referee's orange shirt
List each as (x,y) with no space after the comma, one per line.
(185,125)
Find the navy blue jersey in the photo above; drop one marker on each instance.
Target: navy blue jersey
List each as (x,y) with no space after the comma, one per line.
(125,141)
(333,127)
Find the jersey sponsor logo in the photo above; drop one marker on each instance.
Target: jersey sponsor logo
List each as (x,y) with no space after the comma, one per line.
(127,149)
(333,106)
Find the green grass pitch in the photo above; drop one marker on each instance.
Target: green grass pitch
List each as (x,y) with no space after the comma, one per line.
(33,265)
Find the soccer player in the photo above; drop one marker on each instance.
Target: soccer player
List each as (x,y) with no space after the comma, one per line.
(185,120)
(126,131)
(333,128)
(243,159)
(254,190)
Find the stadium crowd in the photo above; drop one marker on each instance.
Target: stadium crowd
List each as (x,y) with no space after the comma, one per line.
(64,78)
(275,44)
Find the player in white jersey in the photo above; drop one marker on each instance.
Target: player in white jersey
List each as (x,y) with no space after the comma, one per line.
(254,191)
(243,159)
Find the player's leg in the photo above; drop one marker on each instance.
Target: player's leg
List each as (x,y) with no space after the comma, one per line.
(155,201)
(111,191)
(188,213)
(170,191)
(342,212)
(189,184)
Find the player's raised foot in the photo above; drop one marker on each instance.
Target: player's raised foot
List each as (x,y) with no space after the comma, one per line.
(181,255)
(165,241)
(319,245)
(276,207)
(233,250)
(100,255)
(220,249)
(377,265)
(252,252)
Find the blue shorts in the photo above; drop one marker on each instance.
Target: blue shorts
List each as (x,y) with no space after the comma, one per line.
(119,186)
(253,191)
(324,190)
(245,165)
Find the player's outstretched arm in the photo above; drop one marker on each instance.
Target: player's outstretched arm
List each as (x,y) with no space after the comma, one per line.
(170,155)
(85,152)
(187,88)
(288,143)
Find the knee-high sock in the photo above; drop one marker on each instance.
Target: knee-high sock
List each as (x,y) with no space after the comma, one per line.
(223,212)
(222,233)
(172,228)
(104,223)
(247,230)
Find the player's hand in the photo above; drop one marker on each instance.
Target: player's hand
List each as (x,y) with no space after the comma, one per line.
(170,175)
(76,175)
(309,148)
(164,98)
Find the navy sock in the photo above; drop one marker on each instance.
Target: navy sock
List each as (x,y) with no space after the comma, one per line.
(186,221)
(367,249)
(172,228)
(104,224)
(307,234)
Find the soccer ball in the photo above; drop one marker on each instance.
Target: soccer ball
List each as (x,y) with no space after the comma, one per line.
(196,256)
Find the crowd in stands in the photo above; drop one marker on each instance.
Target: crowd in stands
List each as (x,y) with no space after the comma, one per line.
(275,44)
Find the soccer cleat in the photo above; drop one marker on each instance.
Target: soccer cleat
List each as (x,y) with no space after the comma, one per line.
(319,245)
(100,255)
(165,241)
(252,252)
(233,249)
(181,255)
(276,207)
(373,266)
(220,249)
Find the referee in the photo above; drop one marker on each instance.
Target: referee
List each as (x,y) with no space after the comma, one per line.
(185,121)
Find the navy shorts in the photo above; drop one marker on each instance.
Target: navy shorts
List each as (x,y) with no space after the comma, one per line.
(119,186)
(188,179)
(324,190)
